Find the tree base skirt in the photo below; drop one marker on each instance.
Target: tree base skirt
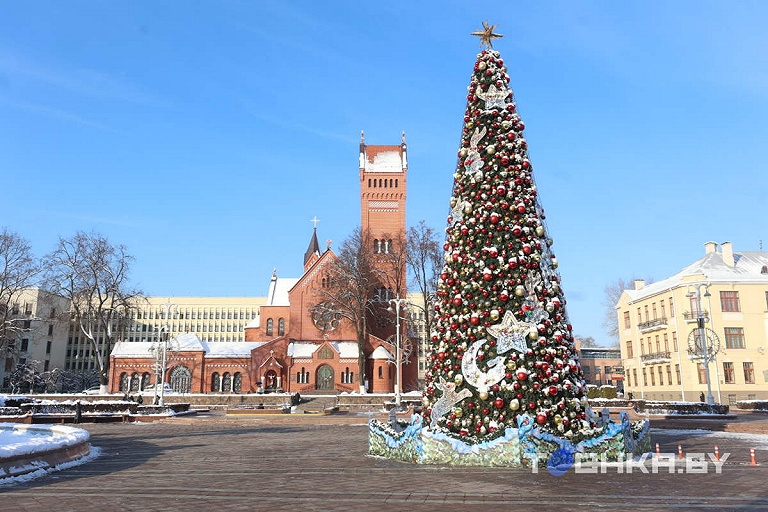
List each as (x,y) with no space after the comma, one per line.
(525,446)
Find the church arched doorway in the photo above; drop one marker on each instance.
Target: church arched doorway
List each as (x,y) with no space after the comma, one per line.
(324,378)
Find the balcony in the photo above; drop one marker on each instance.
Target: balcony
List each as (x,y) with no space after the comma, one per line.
(652,325)
(691,316)
(656,357)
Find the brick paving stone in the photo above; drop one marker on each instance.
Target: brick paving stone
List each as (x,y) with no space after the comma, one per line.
(315,462)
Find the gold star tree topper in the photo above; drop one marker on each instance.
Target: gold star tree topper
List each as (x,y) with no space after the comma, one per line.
(487,35)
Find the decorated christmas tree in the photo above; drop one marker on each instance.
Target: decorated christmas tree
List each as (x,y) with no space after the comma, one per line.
(502,346)
(503,380)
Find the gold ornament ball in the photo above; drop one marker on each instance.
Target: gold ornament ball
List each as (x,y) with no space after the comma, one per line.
(483,395)
(458,379)
(494,314)
(458,412)
(519,290)
(514,404)
(539,230)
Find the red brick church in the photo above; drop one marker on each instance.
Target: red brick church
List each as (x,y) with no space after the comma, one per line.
(294,345)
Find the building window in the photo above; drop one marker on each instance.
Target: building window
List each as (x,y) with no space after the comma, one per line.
(627,323)
(50,329)
(734,337)
(661,377)
(677,373)
(24,345)
(729,376)
(702,371)
(653,377)
(215,382)
(270,326)
(586,370)
(663,310)
(237,382)
(48,347)
(645,378)
(302,377)
(226,383)
(634,375)
(749,373)
(669,374)
(674,341)
(630,355)
(666,346)
(281,327)
(729,301)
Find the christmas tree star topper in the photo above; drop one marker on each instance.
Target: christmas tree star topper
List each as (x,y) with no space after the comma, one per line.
(487,35)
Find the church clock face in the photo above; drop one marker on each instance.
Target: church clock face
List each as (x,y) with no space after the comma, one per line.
(325,316)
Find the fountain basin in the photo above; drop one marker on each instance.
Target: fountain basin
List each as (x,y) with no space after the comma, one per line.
(28,448)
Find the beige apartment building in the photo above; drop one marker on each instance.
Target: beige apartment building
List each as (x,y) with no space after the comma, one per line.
(714,310)
(41,335)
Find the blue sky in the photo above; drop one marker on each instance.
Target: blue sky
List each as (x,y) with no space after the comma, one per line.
(204,136)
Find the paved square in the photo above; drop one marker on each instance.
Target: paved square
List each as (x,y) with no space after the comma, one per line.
(313,462)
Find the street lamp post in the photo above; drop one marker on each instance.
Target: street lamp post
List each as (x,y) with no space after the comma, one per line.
(398,304)
(706,356)
(163,354)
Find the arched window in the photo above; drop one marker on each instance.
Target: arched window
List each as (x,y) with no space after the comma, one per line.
(381,373)
(135,382)
(125,382)
(226,383)
(395,182)
(181,379)
(376,246)
(215,382)
(270,326)
(281,327)
(237,382)
(145,381)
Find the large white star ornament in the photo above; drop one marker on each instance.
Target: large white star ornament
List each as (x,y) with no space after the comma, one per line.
(494,98)
(510,334)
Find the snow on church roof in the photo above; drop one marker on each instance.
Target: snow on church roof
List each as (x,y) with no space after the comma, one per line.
(187,342)
(383,159)
(381,353)
(346,349)
(278,291)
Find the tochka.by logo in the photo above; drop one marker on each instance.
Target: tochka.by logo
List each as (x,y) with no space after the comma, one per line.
(591,463)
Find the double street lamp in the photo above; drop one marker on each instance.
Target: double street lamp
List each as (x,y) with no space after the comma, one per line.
(703,350)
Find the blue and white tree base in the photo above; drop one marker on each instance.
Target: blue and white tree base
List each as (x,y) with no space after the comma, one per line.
(524,446)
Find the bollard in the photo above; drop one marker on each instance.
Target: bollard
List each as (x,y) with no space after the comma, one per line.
(717,453)
(679,451)
(753,462)
(658,453)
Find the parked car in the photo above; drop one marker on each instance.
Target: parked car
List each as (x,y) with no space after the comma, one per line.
(93,390)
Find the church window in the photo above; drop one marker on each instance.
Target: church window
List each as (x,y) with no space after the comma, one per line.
(396,182)
(226,383)
(270,325)
(215,382)
(381,373)
(302,377)
(145,381)
(281,327)
(237,382)
(376,246)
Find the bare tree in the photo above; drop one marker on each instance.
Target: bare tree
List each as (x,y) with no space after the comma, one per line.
(353,279)
(425,260)
(613,293)
(92,274)
(18,271)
